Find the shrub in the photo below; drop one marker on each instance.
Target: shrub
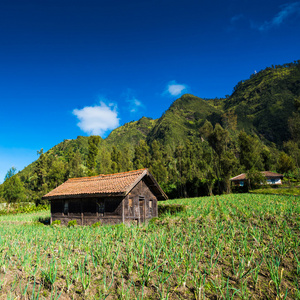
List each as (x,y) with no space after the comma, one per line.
(153,222)
(72,223)
(170,208)
(97,224)
(45,220)
(56,222)
(25,207)
(119,226)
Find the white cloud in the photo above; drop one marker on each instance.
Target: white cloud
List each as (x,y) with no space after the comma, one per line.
(96,120)
(286,11)
(175,89)
(236,18)
(135,105)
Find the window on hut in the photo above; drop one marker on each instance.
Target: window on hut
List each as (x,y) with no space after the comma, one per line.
(66,207)
(150,207)
(74,207)
(111,205)
(89,206)
(57,206)
(101,207)
(130,207)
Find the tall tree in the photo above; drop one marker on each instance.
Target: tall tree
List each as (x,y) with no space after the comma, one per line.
(93,142)
(41,170)
(116,154)
(294,126)
(249,151)
(56,173)
(285,163)
(219,140)
(125,160)
(229,120)
(141,155)
(13,190)
(157,167)
(74,168)
(11,172)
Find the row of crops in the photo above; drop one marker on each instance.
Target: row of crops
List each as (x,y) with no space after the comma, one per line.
(224,247)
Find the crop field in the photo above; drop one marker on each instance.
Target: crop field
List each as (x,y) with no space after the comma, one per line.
(243,246)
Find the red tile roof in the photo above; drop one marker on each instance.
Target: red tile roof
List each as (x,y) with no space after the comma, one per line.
(267,174)
(239,177)
(111,184)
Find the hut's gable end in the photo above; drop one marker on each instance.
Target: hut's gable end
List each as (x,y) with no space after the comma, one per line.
(140,204)
(141,189)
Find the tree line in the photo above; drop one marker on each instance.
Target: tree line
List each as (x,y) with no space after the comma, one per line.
(191,168)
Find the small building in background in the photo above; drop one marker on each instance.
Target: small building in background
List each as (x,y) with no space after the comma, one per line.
(128,197)
(271,177)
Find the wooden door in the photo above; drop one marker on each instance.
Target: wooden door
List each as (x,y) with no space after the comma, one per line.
(142,209)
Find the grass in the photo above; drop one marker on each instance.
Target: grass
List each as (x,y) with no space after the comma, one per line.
(225,247)
(278,191)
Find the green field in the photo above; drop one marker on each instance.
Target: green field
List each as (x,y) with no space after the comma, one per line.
(242,246)
(295,191)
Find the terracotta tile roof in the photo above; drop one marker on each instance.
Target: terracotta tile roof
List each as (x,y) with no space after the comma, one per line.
(239,177)
(267,174)
(111,184)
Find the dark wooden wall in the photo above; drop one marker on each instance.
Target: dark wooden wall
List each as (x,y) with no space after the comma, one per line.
(87,211)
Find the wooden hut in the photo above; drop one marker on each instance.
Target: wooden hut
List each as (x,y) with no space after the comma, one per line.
(129,197)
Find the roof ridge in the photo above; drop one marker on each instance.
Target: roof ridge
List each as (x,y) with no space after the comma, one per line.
(104,175)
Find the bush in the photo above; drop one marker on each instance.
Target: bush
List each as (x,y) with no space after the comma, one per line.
(97,224)
(153,221)
(170,208)
(72,223)
(56,222)
(26,207)
(120,226)
(239,189)
(45,220)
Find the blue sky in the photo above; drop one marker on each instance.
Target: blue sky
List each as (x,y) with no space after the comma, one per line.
(70,68)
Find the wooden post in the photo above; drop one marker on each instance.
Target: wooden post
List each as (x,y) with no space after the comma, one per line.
(123,209)
(144,210)
(81,208)
(51,213)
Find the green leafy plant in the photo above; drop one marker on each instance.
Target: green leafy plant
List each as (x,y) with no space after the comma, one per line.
(56,222)
(72,223)
(97,224)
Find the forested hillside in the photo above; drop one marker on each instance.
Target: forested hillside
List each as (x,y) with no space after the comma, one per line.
(193,149)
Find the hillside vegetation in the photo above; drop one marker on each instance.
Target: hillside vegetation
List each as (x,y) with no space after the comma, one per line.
(192,149)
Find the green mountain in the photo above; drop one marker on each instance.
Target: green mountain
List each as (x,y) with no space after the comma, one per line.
(184,144)
(183,120)
(131,132)
(266,101)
